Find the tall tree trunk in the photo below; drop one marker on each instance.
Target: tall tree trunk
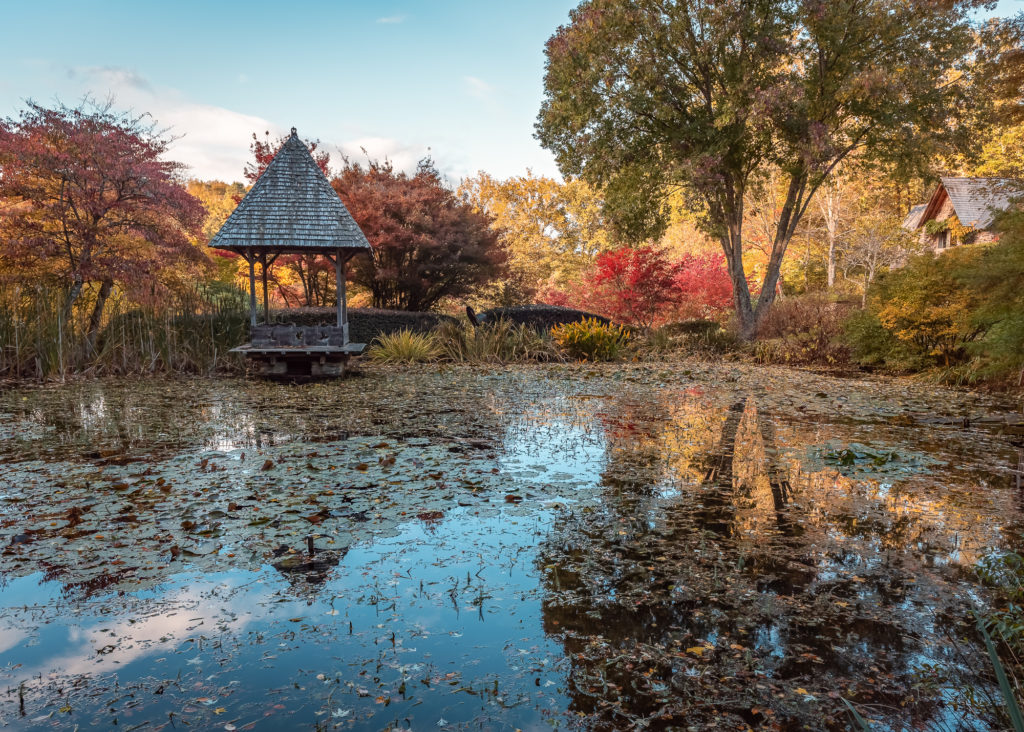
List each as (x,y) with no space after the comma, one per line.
(831,259)
(97,317)
(732,245)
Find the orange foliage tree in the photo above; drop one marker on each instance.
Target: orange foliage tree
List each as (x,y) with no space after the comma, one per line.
(89,201)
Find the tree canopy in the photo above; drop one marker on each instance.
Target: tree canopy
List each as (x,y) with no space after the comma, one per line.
(551,230)
(652,96)
(89,199)
(428,244)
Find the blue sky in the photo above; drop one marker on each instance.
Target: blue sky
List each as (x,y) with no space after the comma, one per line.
(459,77)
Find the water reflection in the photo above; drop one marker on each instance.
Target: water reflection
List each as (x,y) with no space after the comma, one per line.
(722,572)
(470,548)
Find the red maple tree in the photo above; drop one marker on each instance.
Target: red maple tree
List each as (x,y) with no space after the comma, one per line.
(428,244)
(92,203)
(644,287)
(703,286)
(634,285)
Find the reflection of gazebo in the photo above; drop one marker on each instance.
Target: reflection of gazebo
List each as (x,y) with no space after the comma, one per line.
(292,209)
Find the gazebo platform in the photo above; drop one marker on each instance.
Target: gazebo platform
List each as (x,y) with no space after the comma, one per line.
(300,363)
(299,352)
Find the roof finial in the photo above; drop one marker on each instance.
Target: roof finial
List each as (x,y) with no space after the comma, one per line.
(294,132)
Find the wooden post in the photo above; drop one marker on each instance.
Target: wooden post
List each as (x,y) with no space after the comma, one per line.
(337,287)
(344,300)
(266,298)
(251,259)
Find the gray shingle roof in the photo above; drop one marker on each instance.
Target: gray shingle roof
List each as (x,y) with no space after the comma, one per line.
(913,219)
(291,208)
(977,200)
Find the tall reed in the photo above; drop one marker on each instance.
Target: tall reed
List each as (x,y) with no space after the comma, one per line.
(188,332)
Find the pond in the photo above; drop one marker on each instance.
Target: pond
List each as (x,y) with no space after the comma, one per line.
(676,546)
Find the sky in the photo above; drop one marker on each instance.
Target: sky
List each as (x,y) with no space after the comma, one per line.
(460,80)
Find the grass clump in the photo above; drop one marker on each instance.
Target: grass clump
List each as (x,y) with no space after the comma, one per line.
(498,342)
(591,339)
(405,346)
(689,338)
(189,331)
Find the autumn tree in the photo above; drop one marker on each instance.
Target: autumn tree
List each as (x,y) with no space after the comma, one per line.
(703,288)
(264,150)
(551,230)
(633,285)
(428,244)
(92,201)
(646,287)
(219,199)
(648,97)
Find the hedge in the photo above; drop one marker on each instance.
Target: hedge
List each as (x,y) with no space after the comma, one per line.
(365,324)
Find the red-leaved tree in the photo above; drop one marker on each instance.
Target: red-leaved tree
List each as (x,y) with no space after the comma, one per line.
(428,244)
(263,151)
(634,285)
(703,286)
(90,202)
(644,287)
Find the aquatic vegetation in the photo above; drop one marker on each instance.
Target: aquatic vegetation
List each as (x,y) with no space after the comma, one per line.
(498,341)
(591,339)
(405,346)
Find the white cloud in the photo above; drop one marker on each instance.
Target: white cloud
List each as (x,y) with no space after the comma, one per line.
(392,19)
(402,155)
(212,141)
(132,639)
(477,87)
(111,76)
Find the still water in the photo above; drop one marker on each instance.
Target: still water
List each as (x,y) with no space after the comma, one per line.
(698,547)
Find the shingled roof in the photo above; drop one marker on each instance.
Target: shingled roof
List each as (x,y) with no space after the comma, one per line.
(913,219)
(976,201)
(291,208)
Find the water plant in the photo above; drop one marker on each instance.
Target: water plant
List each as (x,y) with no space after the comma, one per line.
(496,342)
(591,339)
(405,346)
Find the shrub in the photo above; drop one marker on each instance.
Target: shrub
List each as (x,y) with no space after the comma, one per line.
(872,346)
(804,330)
(920,316)
(591,340)
(405,346)
(541,317)
(998,277)
(703,286)
(496,342)
(688,337)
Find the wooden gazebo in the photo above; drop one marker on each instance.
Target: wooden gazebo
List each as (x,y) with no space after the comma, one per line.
(292,209)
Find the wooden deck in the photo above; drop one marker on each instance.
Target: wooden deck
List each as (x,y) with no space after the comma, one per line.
(352,349)
(299,363)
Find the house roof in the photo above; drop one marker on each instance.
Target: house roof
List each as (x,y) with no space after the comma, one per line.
(976,201)
(913,219)
(291,208)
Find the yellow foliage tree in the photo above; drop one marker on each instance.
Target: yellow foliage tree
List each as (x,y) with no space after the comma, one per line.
(551,230)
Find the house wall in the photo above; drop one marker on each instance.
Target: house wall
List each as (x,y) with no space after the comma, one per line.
(945,211)
(934,242)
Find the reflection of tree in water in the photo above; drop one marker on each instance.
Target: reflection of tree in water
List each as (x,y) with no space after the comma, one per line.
(697,591)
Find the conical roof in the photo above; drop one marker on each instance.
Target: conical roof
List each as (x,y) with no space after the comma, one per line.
(291,208)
